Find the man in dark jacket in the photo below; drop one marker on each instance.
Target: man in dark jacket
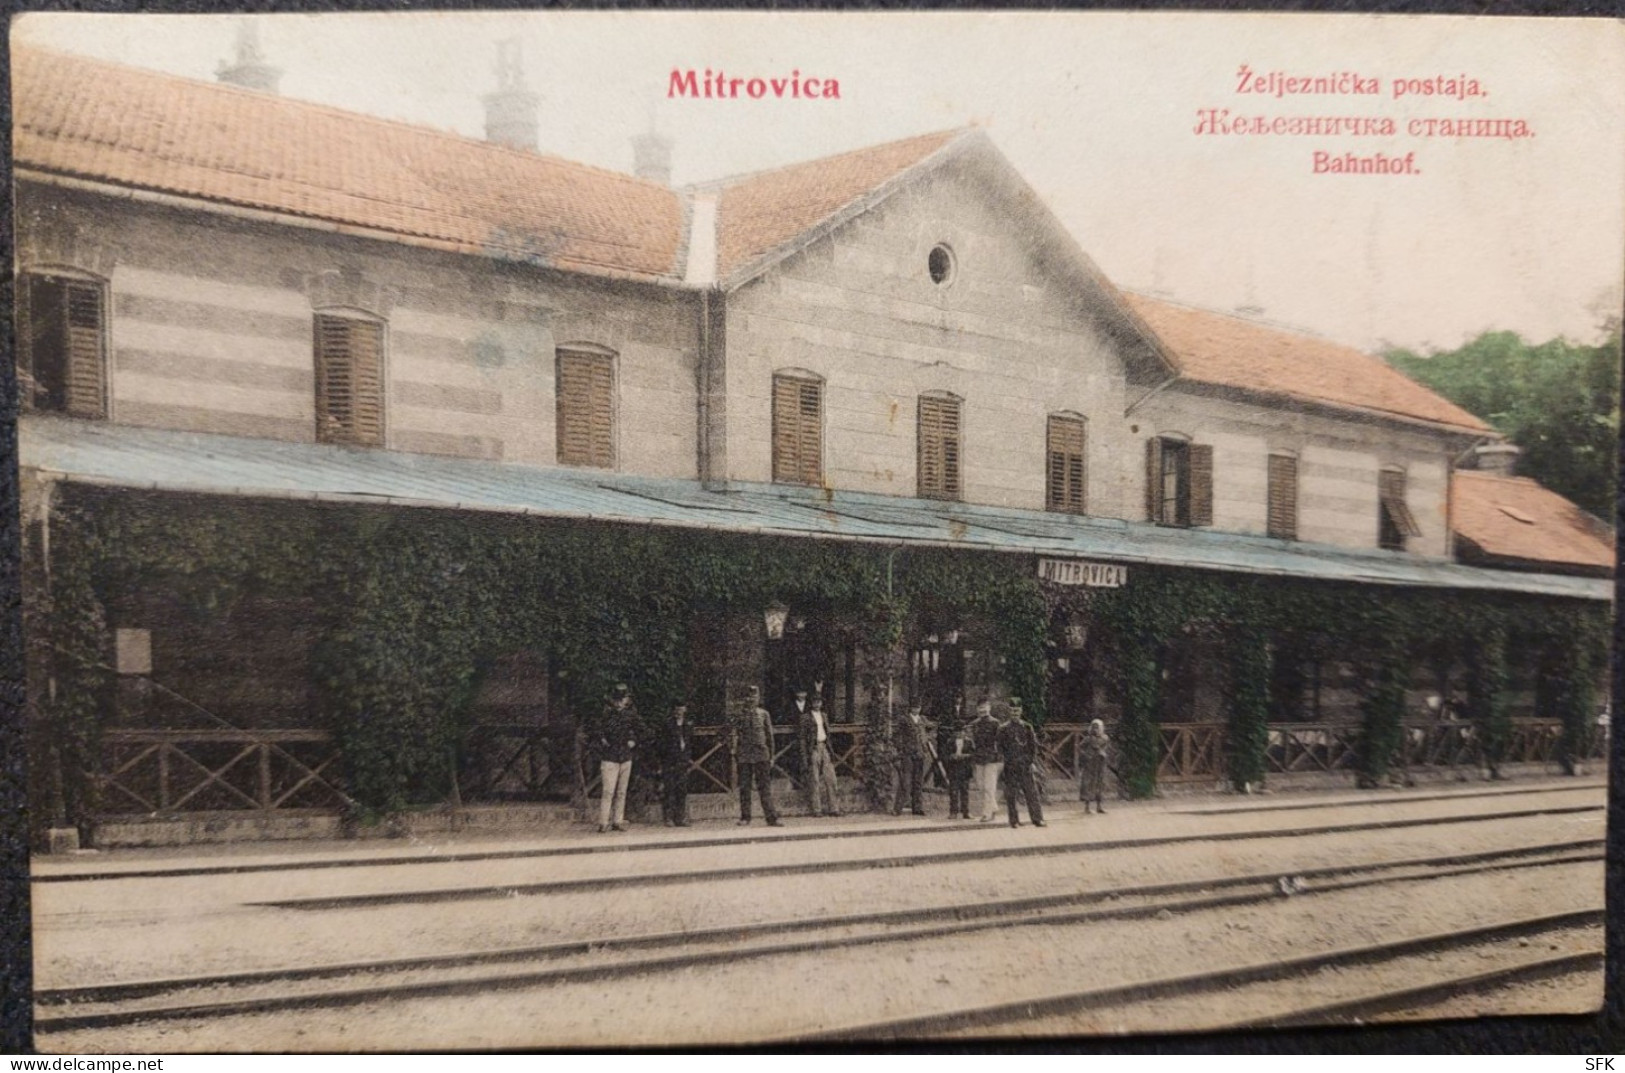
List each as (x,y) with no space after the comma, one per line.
(617,741)
(674,767)
(984,757)
(913,741)
(753,753)
(954,750)
(1018,745)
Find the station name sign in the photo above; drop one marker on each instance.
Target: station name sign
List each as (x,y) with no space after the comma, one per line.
(1083,572)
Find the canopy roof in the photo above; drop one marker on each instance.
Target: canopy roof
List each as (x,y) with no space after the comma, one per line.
(165,460)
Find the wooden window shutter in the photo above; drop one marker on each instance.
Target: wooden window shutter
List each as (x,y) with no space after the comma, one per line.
(941,463)
(86,385)
(1201,484)
(349,381)
(1066,479)
(1153,480)
(1282,513)
(586,409)
(1395,511)
(798,424)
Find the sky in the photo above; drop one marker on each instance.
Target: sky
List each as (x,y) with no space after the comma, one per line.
(1099,111)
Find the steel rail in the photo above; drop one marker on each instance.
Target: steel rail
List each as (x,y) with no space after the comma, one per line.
(970,1019)
(648,879)
(1388,1000)
(975,917)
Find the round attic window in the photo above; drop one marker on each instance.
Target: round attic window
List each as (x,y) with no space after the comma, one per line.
(940,263)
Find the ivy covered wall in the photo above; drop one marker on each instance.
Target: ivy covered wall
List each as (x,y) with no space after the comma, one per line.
(411,606)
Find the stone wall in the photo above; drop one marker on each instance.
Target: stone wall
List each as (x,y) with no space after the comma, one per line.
(210,330)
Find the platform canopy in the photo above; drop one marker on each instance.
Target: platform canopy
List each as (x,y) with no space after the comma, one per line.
(121,456)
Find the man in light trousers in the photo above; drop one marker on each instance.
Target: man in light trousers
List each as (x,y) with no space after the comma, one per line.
(984,736)
(617,741)
(820,767)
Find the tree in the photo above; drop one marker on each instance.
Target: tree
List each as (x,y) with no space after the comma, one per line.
(1558,401)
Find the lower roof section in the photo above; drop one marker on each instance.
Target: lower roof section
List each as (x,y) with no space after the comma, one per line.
(165,460)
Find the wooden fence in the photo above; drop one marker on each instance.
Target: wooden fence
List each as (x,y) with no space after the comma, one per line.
(173,772)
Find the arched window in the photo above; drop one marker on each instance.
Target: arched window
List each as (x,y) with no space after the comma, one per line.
(939,436)
(62,343)
(798,428)
(1066,479)
(349,347)
(585,394)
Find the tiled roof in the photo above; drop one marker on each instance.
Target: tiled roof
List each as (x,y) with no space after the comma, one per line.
(758,213)
(101,121)
(1513,519)
(1213,348)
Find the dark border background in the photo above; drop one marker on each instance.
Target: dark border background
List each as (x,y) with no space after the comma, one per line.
(1603,1033)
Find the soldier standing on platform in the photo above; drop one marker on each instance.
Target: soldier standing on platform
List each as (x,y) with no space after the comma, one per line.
(1018,745)
(617,741)
(984,737)
(674,768)
(954,750)
(820,766)
(753,752)
(1093,752)
(913,740)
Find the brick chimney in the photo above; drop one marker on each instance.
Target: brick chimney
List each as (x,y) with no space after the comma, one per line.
(651,157)
(1497,458)
(511,112)
(248,68)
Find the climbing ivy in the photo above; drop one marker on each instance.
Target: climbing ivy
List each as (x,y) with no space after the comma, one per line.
(414,606)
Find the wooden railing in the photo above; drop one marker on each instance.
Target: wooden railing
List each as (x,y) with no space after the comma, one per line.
(171,772)
(513,761)
(1293,748)
(1190,751)
(712,767)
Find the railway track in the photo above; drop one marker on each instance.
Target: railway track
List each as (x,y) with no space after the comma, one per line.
(626,881)
(1049,1013)
(603,957)
(792,836)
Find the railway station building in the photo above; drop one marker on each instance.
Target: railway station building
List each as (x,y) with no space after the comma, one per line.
(361,459)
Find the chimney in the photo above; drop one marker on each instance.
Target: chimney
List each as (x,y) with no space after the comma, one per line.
(249,69)
(651,157)
(1497,458)
(511,112)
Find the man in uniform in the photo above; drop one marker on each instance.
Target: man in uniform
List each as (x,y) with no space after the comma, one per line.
(1018,745)
(674,767)
(753,751)
(984,757)
(820,765)
(953,749)
(913,740)
(617,741)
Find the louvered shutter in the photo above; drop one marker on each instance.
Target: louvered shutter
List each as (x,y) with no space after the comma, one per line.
(940,459)
(1282,518)
(1153,481)
(586,409)
(798,422)
(349,381)
(1067,471)
(85,386)
(1201,484)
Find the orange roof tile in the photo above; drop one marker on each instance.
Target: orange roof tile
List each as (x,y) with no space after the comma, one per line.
(1516,518)
(758,213)
(102,121)
(1213,348)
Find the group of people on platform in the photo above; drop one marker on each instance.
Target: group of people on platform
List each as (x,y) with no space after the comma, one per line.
(987,749)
